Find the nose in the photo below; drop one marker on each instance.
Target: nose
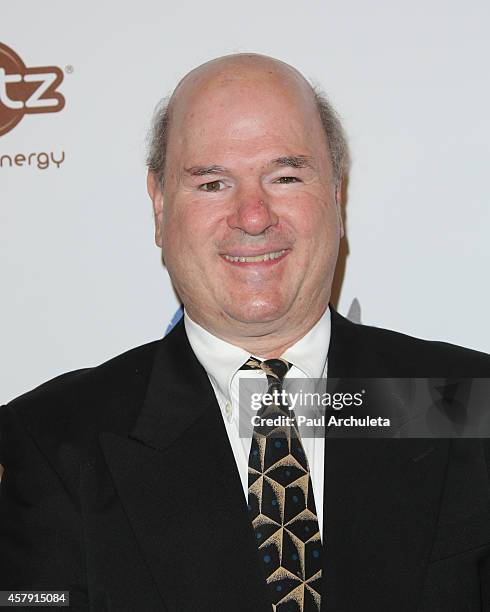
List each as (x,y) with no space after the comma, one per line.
(252,212)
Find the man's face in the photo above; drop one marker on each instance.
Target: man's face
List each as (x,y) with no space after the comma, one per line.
(248,220)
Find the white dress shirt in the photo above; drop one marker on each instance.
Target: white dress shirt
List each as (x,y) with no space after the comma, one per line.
(222,362)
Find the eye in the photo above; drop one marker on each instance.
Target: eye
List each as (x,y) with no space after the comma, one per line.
(212,186)
(285,180)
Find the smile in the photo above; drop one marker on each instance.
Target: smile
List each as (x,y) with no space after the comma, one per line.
(255,258)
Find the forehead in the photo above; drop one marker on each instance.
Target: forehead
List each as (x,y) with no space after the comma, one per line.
(245,108)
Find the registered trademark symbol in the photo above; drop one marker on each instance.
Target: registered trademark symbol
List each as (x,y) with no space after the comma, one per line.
(69,69)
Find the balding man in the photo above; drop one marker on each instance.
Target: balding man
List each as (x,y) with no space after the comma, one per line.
(131,484)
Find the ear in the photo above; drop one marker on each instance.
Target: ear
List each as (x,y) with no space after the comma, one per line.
(338,204)
(156,194)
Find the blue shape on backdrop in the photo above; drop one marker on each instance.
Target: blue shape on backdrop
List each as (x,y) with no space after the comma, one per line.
(175,319)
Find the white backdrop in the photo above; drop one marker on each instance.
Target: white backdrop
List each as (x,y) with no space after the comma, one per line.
(81,278)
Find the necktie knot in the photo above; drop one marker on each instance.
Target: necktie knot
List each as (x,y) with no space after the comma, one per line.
(275,369)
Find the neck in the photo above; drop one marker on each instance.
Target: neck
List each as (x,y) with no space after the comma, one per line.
(267,343)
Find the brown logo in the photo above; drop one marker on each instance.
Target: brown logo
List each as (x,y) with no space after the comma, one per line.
(25,90)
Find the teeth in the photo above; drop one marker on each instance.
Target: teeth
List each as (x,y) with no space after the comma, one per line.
(256,258)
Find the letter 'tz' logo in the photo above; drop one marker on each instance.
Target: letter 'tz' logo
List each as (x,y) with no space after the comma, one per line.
(26,90)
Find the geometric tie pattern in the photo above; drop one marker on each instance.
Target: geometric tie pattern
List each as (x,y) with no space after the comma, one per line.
(281,504)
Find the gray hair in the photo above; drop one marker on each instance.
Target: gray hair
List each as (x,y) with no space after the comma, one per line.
(336,138)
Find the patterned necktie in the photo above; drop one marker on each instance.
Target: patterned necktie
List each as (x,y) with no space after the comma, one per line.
(281,504)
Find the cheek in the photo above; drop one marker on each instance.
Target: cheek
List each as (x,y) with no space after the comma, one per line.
(317,232)
(189,228)
(314,220)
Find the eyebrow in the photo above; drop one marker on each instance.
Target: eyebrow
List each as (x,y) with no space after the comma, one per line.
(291,161)
(202,170)
(294,161)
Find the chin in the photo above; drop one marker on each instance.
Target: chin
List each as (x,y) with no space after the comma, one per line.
(257,311)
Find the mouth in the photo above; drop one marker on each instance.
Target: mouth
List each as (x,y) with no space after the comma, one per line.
(271,256)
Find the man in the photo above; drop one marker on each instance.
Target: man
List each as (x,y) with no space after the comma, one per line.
(126,484)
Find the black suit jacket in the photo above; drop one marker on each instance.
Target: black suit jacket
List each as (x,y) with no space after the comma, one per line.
(120,485)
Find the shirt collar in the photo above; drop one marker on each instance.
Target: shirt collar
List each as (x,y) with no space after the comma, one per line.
(222,360)
(309,353)
(219,358)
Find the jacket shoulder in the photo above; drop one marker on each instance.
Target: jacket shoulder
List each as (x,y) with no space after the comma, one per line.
(404,355)
(453,355)
(107,377)
(73,403)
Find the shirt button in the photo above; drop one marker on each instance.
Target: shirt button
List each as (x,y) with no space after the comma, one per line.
(228,410)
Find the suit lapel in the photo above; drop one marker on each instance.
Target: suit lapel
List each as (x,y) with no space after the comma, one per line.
(179,486)
(382,499)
